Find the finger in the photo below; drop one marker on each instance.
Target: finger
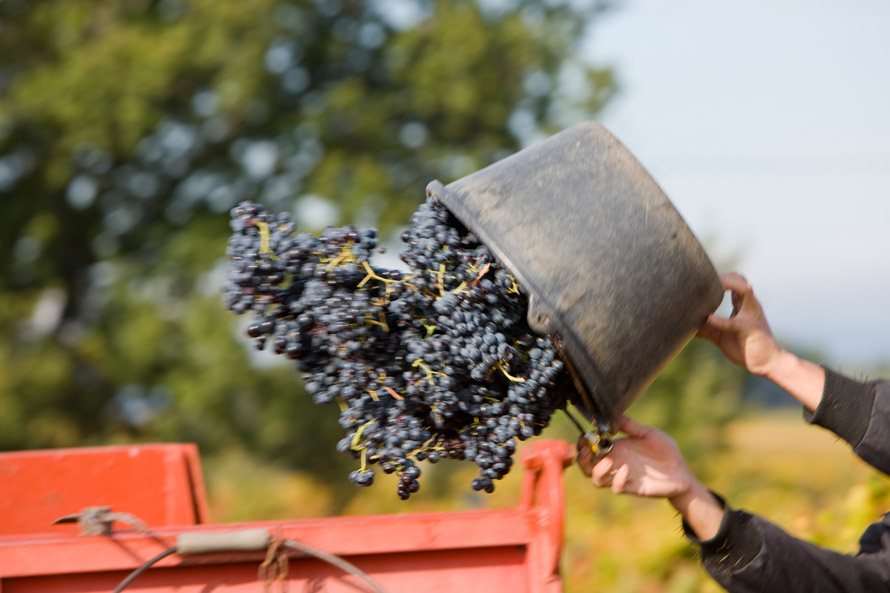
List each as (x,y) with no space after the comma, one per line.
(585,456)
(737,302)
(602,473)
(583,446)
(720,324)
(735,282)
(709,332)
(739,288)
(620,479)
(632,428)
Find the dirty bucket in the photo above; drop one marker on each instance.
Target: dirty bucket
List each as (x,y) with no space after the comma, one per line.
(611,268)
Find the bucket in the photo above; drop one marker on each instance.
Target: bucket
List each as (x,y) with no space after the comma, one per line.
(611,268)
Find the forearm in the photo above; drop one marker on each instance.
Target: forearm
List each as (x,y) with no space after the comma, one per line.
(700,510)
(856,411)
(804,380)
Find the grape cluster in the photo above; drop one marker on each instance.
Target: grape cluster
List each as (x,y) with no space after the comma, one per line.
(435,363)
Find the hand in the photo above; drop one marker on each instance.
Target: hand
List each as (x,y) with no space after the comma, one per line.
(647,463)
(744,337)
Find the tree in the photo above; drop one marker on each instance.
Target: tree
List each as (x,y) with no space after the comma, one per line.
(128,128)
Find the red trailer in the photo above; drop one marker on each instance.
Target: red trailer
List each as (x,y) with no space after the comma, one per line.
(123,508)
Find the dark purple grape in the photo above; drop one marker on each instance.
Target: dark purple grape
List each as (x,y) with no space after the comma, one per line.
(436,363)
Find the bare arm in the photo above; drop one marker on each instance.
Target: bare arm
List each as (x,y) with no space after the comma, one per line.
(742,552)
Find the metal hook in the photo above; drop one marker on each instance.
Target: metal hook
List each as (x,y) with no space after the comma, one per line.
(598,439)
(600,443)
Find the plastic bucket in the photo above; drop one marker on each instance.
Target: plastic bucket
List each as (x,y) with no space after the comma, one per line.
(610,265)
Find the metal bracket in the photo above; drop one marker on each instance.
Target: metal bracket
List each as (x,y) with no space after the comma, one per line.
(98,520)
(600,443)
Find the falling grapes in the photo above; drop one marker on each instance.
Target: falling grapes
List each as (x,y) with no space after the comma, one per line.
(436,363)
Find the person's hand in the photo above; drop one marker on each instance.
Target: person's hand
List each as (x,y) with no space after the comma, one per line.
(647,462)
(744,337)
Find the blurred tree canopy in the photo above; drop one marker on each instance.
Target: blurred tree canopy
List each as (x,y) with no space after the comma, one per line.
(129,128)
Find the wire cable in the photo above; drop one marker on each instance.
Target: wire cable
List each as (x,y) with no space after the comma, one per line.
(306,549)
(335,561)
(148,564)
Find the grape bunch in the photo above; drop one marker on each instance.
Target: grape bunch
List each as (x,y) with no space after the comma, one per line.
(435,363)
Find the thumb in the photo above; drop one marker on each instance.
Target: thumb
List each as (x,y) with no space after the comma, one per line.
(721,323)
(632,428)
(715,327)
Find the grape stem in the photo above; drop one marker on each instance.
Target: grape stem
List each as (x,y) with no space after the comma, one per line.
(393,393)
(500,366)
(357,437)
(429,372)
(372,274)
(346,256)
(482,273)
(382,323)
(263,228)
(440,279)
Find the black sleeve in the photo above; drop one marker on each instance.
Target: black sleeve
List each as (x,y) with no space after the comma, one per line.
(751,555)
(859,413)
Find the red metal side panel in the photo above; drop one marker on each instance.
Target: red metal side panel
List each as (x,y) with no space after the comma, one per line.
(498,569)
(160,484)
(511,550)
(461,571)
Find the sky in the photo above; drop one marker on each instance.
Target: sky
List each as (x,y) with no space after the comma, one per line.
(768,126)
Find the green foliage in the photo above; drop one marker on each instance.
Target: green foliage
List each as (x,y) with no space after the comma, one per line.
(128,128)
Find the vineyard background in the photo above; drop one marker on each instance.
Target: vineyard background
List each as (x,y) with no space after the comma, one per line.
(128,128)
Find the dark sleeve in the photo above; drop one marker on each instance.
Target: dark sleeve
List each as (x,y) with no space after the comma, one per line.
(751,555)
(859,413)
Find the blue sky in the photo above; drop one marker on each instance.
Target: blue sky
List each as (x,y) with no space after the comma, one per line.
(768,125)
